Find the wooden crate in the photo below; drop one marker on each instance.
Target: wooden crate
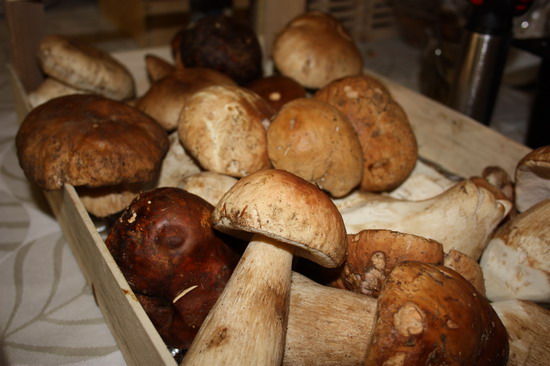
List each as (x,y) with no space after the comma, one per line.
(446,137)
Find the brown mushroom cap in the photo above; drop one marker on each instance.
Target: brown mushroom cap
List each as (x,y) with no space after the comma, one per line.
(157,67)
(373,254)
(221,43)
(167,96)
(85,67)
(164,244)
(223,128)
(315,141)
(431,315)
(281,205)
(314,49)
(467,267)
(89,140)
(277,90)
(388,142)
(532,178)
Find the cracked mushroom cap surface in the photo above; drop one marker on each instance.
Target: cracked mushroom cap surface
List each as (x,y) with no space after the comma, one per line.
(389,146)
(315,141)
(224,128)
(85,67)
(89,140)
(315,49)
(429,314)
(278,204)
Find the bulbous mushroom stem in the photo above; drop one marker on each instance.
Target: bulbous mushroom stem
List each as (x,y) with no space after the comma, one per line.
(461,218)
(247,324)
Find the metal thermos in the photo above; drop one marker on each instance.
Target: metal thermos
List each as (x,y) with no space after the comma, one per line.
(483,54)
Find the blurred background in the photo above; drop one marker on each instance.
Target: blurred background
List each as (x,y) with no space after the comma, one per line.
(415,43)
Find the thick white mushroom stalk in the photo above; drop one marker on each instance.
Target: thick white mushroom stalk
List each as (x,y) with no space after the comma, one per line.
(461,218)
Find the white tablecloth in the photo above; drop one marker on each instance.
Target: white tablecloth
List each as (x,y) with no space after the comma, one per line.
(48,315)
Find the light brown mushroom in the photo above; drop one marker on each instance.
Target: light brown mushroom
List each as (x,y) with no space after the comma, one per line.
(51,88)
(467,267)
(85,67)
(177,164)
(315,49)
(425,314)
(210,186)
(157,67)
(224,128)
(166,97)
(388,142)
(373,254)
(532,178)
(516,262)
(89,140)
(462,218)
(286,215)
(315,141)
(527,324)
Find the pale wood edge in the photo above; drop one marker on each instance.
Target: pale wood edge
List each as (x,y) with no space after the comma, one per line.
(452,140)
(133,331)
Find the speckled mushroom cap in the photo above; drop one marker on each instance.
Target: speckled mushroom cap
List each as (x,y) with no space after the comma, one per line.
(89,140)
(315,141)
(277,90)
(167,96)
(430,314)
(281,205)
(314,49)
(224,128)
(388,142)
(85,67)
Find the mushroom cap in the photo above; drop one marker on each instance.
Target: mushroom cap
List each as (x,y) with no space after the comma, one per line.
(429,314)
(467,267)
(277,90)
(85,67)
(109,200)
(222,43)
(532,178)
(164,243)
(373,254)
(315,141)
(89,140)
(223,128)
(314,49)
(167,96)
(157,67)
(281,205)
(388,142)
(208,185)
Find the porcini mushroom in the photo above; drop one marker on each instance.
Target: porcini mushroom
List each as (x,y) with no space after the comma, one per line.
(51,88)
(85,67)
(224,128)
(313,140)
(388,142)
(532,178)
(89,140)
(177,164)
(286,215)
(166,96)
(462,218)
(516,262)
(277,90)
(373,254)
(315,49)
(425,314)
(210,186)
(164,245)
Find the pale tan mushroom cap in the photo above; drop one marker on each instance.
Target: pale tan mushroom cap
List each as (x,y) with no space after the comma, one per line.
(281,205)
(315,141)
(533,178)
(223,127)
(51,88)
(85,67)
(315,49)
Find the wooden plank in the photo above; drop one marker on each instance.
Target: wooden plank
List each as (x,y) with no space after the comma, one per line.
(454,141)
(25,22)
(136,336)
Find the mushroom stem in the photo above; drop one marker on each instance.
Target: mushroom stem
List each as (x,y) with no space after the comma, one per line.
(326,325)
(247,324)
(461,218)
